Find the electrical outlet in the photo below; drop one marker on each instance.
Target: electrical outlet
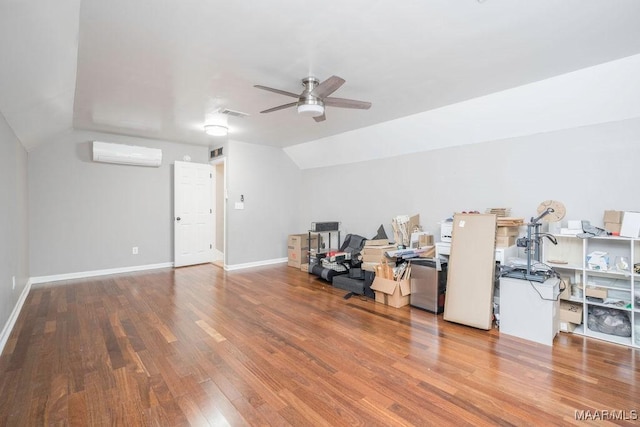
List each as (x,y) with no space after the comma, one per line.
(134,250)
(13,279)
(239,205)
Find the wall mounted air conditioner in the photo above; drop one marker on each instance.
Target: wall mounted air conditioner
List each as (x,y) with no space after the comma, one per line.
(107,152)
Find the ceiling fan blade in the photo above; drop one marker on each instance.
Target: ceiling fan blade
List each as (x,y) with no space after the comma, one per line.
(327,87)
(321,118)
(280,107)
(281,92)
(347,103)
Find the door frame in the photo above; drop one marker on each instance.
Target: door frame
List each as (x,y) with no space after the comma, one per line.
(215,162)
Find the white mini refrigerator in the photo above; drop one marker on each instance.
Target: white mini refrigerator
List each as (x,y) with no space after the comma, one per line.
(530,309)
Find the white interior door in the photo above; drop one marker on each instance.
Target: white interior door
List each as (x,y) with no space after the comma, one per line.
(193,213)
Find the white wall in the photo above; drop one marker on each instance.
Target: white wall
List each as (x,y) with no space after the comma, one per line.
(604,93)
(14,247)
(572,137)
(270,183)
(589,169)
(87,216)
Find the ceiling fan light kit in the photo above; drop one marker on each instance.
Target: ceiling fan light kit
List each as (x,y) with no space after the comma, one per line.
(216,130)
(311,110)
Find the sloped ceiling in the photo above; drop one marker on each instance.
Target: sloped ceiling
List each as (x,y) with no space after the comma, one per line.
(160,68)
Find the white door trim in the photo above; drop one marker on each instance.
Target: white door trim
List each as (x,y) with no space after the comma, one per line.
(222,255)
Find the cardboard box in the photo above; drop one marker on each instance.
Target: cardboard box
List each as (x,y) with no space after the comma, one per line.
(613,227)
(568,327)
(392,292)
(507,231)
(377,251)
(372,258)
(430,252)
(296,259)
(298,247)
(596,292)
(299,242)
(613,217)
(369,266)
(420,239)
(304,267)
(376,242)
(425,240)
(505,241)
(377,254)
(570,312)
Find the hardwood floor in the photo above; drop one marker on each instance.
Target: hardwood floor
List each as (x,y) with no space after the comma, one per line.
(275,346)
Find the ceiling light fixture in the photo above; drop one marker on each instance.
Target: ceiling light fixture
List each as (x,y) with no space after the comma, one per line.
(216,130)
(311,110)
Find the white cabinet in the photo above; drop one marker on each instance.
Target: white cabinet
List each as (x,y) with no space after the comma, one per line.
(594,285)
(529,309)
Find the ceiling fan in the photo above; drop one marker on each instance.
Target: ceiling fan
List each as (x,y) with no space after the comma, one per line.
(315,97)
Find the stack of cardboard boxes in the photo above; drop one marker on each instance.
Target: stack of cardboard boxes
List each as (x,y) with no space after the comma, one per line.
(373,253)
(374,260)
(506,236)
(507,231)
(570,312)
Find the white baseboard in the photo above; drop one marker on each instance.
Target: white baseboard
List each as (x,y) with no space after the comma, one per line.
(255,264)
(8,327)
(83,274)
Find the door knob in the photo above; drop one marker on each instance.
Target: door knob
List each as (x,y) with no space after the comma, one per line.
(178,219)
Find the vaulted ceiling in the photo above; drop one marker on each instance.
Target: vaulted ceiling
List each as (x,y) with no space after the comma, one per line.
(162,68)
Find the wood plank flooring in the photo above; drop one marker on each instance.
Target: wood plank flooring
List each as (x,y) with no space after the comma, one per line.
(275,346)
